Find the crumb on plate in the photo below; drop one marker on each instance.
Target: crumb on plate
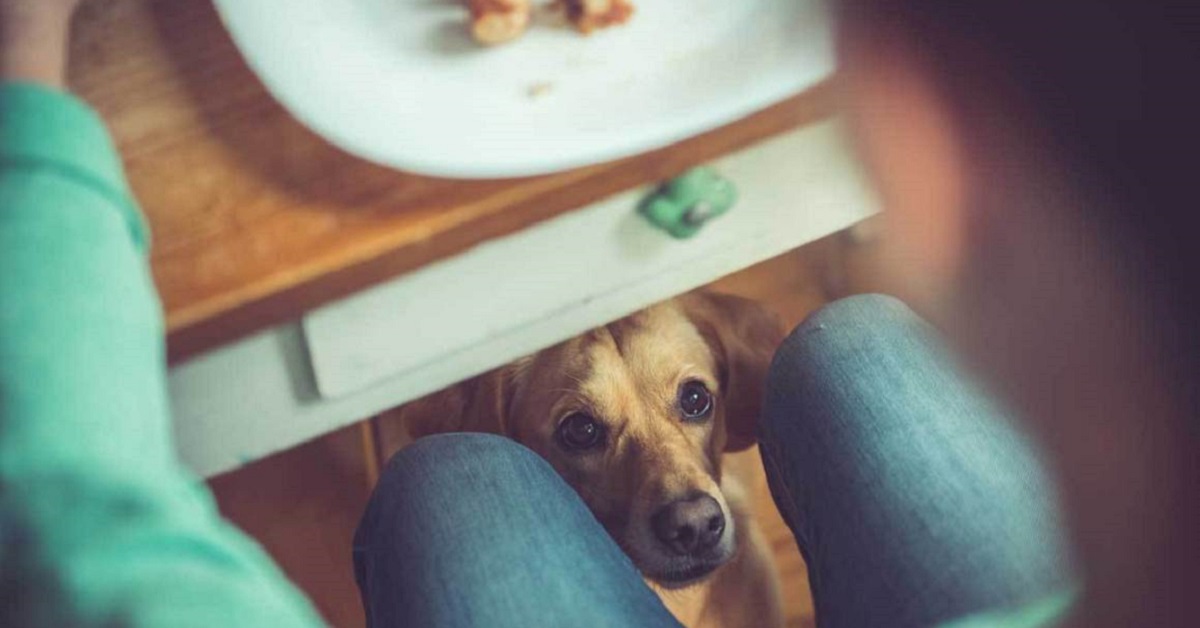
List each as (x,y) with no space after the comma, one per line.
(498,21)
(591,15)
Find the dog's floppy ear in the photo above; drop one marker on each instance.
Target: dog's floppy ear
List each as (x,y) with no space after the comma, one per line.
(479,404)
(743,336)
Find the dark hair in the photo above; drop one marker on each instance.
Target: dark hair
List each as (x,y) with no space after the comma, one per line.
(1111,88)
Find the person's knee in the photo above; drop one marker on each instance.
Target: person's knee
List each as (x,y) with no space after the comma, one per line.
(827,331)
(450,472)
(823,342)
(460,444)
(860,311)
(453,458)
(849,318)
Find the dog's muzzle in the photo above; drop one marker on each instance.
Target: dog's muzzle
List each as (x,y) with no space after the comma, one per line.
(689,527)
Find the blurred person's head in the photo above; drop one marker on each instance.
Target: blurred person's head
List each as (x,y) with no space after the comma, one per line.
(1037,162)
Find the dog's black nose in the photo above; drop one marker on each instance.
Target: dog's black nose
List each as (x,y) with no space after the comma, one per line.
(689,526)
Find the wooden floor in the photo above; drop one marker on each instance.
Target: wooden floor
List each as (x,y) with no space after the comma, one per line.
(303,504)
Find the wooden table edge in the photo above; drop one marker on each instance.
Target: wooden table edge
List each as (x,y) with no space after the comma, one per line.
(195,328)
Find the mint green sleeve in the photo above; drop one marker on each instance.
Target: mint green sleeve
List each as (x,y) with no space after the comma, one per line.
(1045,613)
(99,524)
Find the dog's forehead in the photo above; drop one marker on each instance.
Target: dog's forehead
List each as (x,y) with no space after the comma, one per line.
(659,340)
(648,351)
(636,359)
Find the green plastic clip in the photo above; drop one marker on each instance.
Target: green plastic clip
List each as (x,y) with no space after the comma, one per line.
(686,203)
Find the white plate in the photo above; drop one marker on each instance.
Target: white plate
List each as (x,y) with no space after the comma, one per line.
(400,82)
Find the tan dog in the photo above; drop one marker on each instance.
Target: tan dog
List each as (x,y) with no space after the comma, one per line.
(637,416)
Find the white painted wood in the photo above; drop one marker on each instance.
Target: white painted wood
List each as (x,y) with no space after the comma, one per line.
(490,305)
(391,80)
(595,254)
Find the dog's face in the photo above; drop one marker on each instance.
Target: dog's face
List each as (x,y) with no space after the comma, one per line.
(635,416)
(628,414)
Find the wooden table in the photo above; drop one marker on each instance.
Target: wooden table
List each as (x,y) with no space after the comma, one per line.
(257,220)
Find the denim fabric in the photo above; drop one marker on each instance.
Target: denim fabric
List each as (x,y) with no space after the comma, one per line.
(912,499)
(476,530)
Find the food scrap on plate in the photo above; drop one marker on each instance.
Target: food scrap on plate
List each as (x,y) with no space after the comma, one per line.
(590,15)
(499,21)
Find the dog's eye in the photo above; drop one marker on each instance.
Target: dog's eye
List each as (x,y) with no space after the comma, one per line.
(580,431)
(694,399)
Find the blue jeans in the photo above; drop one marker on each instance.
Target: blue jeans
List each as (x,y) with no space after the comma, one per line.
(913,500)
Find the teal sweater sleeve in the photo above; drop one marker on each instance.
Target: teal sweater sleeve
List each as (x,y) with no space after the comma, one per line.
(1047,612)
(99,524)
